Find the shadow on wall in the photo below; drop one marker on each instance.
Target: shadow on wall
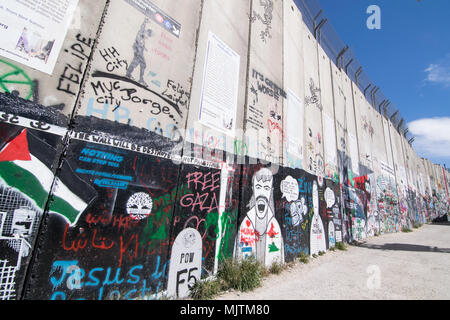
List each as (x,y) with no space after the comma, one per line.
(405,247)
(442,220)
(444,224)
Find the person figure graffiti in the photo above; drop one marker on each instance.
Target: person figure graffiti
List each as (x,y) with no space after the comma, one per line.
(139,48)
(259,233)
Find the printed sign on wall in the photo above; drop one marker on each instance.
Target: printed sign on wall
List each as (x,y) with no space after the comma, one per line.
(330,139)
(32,32)
(220,86)
(158,16)
(294,125)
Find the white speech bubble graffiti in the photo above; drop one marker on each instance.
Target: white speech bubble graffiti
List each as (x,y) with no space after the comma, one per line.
(289,188)
(329,197)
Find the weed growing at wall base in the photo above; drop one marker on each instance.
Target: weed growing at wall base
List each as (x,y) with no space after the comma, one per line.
(276,268)
(243,276)
(208,289)
(341,246)
(303,257)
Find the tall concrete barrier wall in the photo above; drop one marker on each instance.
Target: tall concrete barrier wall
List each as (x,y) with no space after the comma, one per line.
(294,84)
(400,173)
(314,160)
(172,136)
(328,116)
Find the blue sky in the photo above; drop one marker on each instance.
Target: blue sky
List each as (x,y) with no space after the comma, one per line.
(408,58)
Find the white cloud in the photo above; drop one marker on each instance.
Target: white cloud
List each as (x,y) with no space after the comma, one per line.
(439,73)
(432,136)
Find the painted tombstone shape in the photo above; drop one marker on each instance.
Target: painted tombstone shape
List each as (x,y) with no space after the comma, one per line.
(317,240)
(259,233)
(185,263)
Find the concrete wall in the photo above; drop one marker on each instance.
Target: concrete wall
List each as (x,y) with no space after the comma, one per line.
(328,112)
(60,90)
(313,139)
(148,158)
(228,21)
(265,95)
(294,84)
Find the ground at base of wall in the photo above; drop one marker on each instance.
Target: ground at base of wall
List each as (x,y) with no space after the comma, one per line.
(369,271)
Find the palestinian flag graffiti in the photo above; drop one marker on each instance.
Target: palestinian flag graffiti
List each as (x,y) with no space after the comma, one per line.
(25,163)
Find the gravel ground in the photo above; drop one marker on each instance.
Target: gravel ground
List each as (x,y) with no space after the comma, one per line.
(402,266)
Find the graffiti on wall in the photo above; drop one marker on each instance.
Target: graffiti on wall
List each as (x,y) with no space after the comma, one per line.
(120,213)
(331,209)
(314,99)
(186,263)
(27,153)
(265,109)
(387,199)
(259,232)
(315,162)
(136,81)
(125,213)
(265,18)
(295,213)
(15,80)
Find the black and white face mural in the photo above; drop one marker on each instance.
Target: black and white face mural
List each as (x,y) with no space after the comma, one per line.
(298,211)
(297,207)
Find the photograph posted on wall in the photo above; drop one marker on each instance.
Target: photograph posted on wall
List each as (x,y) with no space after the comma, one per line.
(32,32)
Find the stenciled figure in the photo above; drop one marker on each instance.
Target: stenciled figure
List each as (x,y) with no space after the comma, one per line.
(259,233)
(139,48)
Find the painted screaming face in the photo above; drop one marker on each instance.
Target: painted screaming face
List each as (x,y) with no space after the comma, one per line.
(262,191)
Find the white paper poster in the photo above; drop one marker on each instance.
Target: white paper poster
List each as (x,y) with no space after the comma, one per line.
(387,141)
(353,145)
(294,125)
(330,139)
(386,168)
(32,32)
(218,103)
